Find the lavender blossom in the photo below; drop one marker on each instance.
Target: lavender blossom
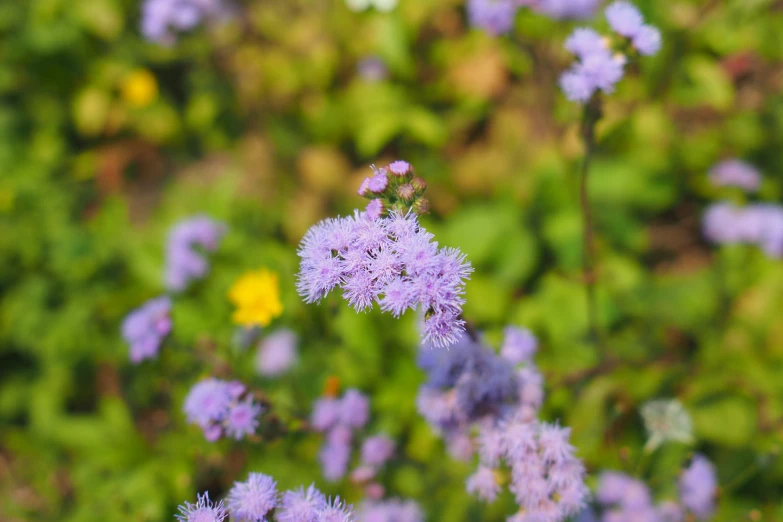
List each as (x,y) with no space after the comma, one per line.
(161,18)
(219,409)
(145,328)
(624,18)
(483,484)
(277,353)
(757,224)
(519,345)
(204,510)
(393,510)
(392,261)
(735,173)
(377,450)
(338,419)
(301,505)
(252,500)
(698,486)
(496,17)
(567,9)
(183,262)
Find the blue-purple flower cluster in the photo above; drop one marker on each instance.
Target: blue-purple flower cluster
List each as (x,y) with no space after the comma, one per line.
(160,19)
(184,263)
(601,65)
(477,399)
(145,328)
(257,500)
(625,498)
(339,419)
(392,261)
(222,408)
(276,353)
(759,224)
(392,510)
(496,17)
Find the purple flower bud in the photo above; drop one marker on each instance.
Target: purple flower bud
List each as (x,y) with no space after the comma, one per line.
(400,168)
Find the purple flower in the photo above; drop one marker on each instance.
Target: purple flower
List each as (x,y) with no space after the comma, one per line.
(252,500)
(378,183)
(301,505)
(354,409)
(584,42)
(400,168)
(618,488)
(203,510)
(364,187)
(496,17)
(392,510)
(183,262)
(336,510)
(759,224)
(647,40)
(483,484)
(334,457)
(326,413)
(564,9)
(145,328)
(377,450)
(519,345)
(217,407)
(736,173)
(698,485)
(374,209)
(597,69)
(392,261)
(624,18)
(242,418)
(159,18)
(277,353)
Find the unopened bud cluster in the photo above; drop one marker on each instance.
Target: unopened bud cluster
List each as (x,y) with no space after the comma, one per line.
(396,188)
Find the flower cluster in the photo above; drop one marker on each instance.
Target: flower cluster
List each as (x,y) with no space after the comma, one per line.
(759,224)
(394,188)
(338,419)
(256,296)
(160,18)
(392,510)
(626,498)
(222,408)
(475,398)
(257,499)
(735,173)
(600,66)
(145,328)
(183,262)
(389,260)
(496,17)
(276,353)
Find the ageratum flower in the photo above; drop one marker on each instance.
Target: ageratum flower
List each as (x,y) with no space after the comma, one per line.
(145,328)
(377,450)
(184,263)
(392,261)
(252,500)
(222,408)
(566,9)
(392,510)
(338,419)
(276,353)
(161,18)
(735,173)
(698,486)
(496,17)
(626,20)
(759,224)
(204,510)
(312,506)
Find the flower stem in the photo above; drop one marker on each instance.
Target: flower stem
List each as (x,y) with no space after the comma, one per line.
(590,117)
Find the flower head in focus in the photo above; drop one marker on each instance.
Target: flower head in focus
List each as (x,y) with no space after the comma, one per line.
(256,296)
(204,510)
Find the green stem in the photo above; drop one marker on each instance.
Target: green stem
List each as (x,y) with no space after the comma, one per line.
(590,117)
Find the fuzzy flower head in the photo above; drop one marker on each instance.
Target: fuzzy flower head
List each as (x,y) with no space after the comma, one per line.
(483,484)
(519,345)
(161,19)
(392,510)
(391,261)
(276,353)
(187,240)
(377,450)
(222,408)
(566,9)
(735,173)
(145,328)
(496,17)
(204,510)
(256,296)
(252,500)
(698,487)
(302,505)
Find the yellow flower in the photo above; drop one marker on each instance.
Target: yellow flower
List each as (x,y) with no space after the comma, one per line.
(257,298)
(140,88)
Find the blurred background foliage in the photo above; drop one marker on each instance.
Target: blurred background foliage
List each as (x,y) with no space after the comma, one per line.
(268,122)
